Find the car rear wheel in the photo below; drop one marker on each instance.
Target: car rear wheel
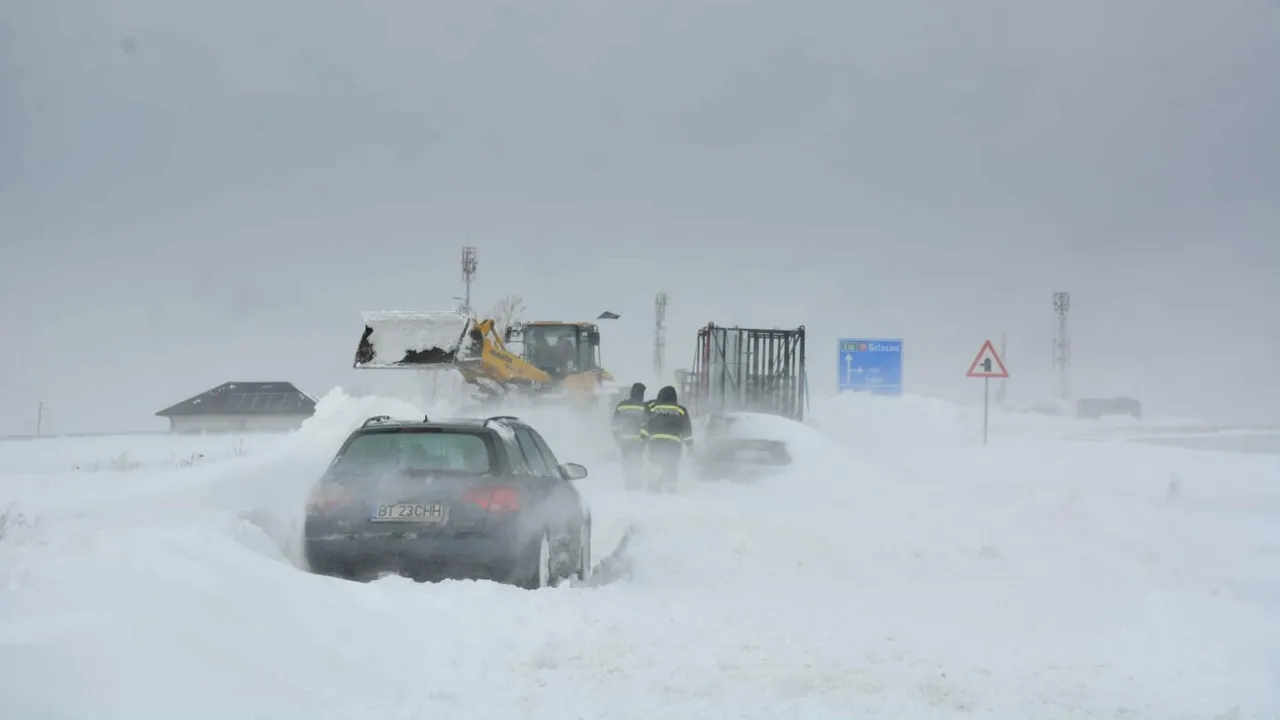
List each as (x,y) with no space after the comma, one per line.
(538,570)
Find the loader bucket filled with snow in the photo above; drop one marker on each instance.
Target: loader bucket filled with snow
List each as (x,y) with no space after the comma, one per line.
(406,339)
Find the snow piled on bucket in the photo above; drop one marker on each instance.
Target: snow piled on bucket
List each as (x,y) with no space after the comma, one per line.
(396,332)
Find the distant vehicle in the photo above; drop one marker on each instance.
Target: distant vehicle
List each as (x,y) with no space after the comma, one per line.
(740,446)
(1094,408)
(454,499)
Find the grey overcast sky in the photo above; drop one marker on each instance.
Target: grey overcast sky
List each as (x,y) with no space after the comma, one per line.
(193,192)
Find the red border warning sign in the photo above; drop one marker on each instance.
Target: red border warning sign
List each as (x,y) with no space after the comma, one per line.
(991,364)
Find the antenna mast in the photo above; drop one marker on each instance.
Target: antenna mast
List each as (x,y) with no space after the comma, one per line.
(659,332)
(1062,347)
(468,275)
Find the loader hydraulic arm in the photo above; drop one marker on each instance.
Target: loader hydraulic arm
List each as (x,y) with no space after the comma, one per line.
(492,361)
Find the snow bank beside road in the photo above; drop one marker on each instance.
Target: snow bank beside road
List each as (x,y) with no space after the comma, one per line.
(908,421)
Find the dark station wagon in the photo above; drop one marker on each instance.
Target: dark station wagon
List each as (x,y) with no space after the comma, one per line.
(453,499)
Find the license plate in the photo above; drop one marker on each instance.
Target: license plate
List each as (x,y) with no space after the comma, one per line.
(428,513)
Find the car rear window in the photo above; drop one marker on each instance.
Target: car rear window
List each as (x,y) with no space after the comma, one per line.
(417,450)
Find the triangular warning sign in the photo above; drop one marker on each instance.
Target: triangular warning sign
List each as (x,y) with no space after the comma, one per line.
(987,364)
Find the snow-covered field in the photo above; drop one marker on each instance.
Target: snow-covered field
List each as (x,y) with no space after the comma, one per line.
(117,453)
(902,570)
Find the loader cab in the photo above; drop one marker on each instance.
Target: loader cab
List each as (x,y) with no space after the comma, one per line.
(557,348)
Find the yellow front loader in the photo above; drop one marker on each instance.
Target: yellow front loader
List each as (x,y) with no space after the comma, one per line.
(554,357)
(567,351)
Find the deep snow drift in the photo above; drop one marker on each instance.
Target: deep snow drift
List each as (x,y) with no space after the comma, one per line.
(900,570)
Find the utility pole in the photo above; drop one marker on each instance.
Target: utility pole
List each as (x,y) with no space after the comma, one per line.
(659,333)
(468,275)
(39,417)
(1062,346)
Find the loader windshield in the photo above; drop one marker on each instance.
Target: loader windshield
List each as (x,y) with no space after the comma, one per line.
(558,349)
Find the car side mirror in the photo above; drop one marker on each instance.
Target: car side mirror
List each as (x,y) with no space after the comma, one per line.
(572,471)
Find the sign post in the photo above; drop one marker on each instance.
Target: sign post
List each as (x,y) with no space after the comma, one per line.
(873,366)
(987,365)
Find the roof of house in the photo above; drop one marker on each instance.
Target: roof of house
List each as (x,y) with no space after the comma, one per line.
(246,398)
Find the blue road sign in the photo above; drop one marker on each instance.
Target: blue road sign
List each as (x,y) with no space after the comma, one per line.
(873,366)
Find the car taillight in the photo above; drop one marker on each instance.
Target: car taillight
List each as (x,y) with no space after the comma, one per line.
(327,496)
(494,498)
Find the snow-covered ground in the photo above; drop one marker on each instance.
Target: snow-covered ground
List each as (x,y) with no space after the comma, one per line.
(901,570)
(116,453)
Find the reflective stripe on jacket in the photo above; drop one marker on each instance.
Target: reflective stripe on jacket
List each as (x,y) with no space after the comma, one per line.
(668,422)
(629,419)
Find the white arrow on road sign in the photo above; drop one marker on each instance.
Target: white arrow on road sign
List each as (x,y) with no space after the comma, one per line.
(988,364)
(849,369)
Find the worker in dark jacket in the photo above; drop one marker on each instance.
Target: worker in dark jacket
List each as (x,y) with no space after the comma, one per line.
(667,432)
(628,432)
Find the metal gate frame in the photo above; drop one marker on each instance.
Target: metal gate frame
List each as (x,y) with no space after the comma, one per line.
(748,369)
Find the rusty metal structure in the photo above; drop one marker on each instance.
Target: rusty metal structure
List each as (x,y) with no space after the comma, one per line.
(747,370)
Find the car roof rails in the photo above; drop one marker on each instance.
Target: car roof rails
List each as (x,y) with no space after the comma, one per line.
(496,418)
(376,420)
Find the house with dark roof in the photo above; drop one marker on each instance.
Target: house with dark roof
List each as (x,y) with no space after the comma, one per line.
(242,407)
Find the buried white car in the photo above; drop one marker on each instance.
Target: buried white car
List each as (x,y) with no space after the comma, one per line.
(743,446)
